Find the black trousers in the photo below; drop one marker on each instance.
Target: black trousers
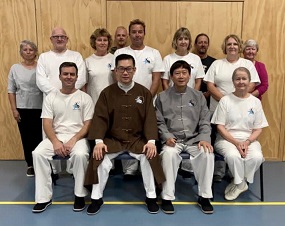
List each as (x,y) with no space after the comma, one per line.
(30,128)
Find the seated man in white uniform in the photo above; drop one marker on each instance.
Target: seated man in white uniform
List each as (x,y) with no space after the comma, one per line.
(183,121)
(66,115)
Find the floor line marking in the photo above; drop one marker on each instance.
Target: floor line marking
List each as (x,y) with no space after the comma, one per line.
(142,203)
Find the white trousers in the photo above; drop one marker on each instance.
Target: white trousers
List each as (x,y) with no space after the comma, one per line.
(241,168)
(78,160)
(106,165)
(203,167)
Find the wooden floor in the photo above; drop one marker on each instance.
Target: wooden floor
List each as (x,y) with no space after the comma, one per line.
(124,202)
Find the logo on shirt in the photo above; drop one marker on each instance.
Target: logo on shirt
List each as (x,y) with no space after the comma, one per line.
(76,106)
(192,67)
(191,103)
(110,66)
(250,112)
(139,100)
(147,61)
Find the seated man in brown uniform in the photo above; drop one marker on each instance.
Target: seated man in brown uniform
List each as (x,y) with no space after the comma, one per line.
(124,120)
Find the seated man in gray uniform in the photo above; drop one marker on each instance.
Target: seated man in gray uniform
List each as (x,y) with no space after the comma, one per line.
(184,125)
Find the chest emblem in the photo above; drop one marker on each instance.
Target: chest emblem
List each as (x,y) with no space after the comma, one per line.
(191,103)
(139,100)
(76,106)
(250,112)
(147,61)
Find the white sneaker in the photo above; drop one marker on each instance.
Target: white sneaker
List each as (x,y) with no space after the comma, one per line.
(234,192)
(230,185)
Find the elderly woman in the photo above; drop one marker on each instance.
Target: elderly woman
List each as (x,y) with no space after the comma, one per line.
(219,82)
(99,74)
(239,118)
(250,50)
(26,100)
(182,43)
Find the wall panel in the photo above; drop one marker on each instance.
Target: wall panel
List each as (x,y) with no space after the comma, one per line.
(78,17)
(217,19)
(264,21)
(17,23)
(159,17)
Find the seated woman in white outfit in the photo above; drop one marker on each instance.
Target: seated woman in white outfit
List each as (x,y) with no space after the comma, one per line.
(239,118)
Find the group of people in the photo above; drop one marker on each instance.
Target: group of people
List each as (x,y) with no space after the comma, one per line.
(113,100)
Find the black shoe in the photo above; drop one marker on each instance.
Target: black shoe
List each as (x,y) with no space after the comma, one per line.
(40,207)
(205,205)
(185,174)
(30,172)
(95,206)
(167,207)
(152,206)
(79,204)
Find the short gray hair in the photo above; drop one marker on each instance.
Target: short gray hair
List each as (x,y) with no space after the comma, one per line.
(244,69)
(250,43)
(30,43)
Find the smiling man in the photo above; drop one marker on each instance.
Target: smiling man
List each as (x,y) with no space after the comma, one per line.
(66,115)
(183,122)
(124,120)
(47,71)
(149,67)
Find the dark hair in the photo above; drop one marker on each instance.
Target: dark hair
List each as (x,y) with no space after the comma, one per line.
(124,57)
(180,64)
(137,21)
(68,64)
(202,34)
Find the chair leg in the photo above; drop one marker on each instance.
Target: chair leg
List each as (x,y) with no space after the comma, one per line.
(261,182)
(54,177)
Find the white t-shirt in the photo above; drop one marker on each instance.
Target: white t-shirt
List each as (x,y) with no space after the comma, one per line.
(22,82)
(239,115)
(197,70)
(99,74)
(48,69)
(220,73)
(68,111)
(147,60)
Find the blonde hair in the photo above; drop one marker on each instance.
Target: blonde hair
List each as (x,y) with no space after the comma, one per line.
(183,31)
(235,37)
(31,44)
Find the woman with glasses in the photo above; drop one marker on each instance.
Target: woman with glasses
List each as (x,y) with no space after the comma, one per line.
(26,100)
(99,74)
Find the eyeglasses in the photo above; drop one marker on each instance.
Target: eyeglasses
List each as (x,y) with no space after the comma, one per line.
(123,69)
(57,37)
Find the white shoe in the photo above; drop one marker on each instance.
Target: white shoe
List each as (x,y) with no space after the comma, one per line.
(234,192)
(230,185)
